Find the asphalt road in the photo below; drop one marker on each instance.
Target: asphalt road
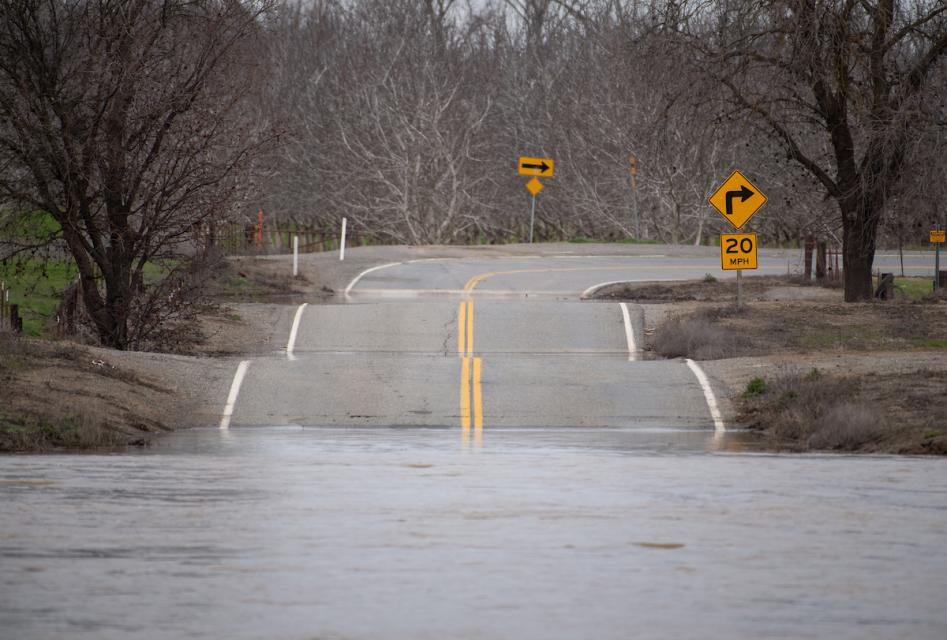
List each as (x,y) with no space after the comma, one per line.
(481,344)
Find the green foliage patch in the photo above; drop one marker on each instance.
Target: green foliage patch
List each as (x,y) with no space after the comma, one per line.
(36,285)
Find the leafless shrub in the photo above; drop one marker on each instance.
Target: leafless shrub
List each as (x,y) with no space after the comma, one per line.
(815,411)
(698,337)
(846,426)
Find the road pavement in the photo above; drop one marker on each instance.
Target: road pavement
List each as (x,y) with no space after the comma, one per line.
(478,342)
(483,343)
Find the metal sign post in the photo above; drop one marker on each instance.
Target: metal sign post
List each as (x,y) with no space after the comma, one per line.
(739,288)
(532,218)
(534,186)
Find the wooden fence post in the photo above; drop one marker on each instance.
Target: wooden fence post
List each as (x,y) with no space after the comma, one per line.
(16,323)
(820,261)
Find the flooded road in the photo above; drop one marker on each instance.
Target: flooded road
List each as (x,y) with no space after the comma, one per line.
(405,533)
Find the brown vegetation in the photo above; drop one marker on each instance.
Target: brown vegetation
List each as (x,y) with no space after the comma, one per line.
(767,327)
(247,279)
(699,336)
(890,413)
(710,289)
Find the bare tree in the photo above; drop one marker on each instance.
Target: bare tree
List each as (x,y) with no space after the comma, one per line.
(123,121)
(408,116)
(843,86)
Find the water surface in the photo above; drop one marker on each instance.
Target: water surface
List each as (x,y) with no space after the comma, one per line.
(404,533)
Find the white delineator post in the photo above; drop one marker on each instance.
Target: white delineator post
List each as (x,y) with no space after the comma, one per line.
(295,256)
(342,244)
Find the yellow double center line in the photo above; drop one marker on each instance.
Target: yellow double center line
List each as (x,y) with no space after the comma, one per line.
(471,393)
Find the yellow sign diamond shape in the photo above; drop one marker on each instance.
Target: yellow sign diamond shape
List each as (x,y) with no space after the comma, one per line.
(737,199)
(534,186)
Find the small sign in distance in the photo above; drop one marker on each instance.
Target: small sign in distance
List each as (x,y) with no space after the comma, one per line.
(938,237)
(737,199)
(544,167)
(738,251)
(534,186)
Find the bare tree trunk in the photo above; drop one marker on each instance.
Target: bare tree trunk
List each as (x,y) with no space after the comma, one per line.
(858,250)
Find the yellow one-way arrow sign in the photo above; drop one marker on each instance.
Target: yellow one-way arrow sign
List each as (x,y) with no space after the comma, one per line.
(536,166)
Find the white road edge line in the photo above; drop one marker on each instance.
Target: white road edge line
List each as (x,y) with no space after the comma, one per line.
(595,287)
(708,395)
(629,333)
(291,343)
(586,293)
(355,280)
(234,391)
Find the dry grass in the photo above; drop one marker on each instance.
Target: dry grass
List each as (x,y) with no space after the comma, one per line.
(884,413)
(699,336)
(73,432)
(707,289)
(247,279)
(765,328)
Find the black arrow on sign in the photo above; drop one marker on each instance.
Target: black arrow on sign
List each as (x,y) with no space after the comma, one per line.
(743,194)
(543,168)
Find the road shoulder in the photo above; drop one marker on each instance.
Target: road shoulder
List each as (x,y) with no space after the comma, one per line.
(803,369)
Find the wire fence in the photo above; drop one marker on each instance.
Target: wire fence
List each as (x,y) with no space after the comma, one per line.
(238,239)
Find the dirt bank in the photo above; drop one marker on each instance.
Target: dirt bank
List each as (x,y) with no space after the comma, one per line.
(40,409)
(806,370)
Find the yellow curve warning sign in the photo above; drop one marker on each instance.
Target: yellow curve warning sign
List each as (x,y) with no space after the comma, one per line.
(737,199)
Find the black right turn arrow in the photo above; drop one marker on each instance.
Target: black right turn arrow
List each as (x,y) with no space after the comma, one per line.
(744,193)
(543,167)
